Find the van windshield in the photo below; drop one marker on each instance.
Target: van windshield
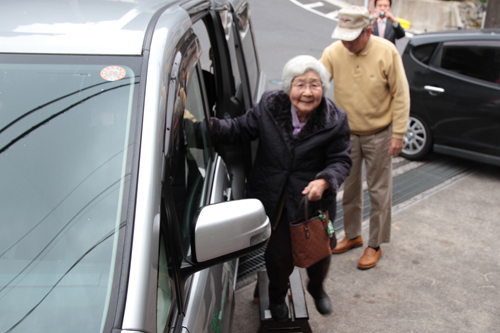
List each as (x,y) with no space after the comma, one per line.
(64,139)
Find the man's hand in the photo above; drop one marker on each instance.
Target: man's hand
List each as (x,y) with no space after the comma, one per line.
(390,17)
(387,13)
(395,146)
(316,189)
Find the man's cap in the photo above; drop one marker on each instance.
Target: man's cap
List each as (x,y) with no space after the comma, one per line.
(352,20)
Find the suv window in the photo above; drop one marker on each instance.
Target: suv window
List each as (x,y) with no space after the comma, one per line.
(480,61)
(423,53)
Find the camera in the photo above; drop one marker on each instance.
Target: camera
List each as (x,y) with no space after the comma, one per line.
(381,14)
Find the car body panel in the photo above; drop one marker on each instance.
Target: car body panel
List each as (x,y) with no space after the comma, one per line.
(151,162)
(77,27)
(207,311)
(461,111)
(467,119)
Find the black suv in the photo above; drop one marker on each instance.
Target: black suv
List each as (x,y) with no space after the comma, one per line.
(454,81)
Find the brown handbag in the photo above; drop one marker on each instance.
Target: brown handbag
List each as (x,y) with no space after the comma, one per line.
(311,237)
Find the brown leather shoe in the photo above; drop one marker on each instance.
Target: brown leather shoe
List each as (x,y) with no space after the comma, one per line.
(347,244)
(370,258)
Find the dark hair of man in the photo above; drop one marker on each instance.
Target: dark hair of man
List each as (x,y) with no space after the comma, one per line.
(390,3)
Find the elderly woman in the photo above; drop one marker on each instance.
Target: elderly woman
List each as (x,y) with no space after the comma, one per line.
(304,148)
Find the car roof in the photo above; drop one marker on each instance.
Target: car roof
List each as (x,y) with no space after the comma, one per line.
(456,35)
(77,27)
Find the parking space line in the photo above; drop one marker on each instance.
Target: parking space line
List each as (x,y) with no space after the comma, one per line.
(332,15)
(314,5)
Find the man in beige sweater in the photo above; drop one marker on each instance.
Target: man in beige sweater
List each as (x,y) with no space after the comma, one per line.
(370,85)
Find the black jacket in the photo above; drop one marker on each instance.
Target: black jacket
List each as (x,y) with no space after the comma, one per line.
(288,163)
(390,33)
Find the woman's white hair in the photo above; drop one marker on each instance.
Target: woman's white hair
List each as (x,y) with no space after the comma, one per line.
(300,65)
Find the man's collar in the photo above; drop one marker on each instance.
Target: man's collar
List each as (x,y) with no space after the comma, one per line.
(364,51)
(367,47)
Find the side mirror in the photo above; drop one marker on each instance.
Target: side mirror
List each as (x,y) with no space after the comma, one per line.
(228,230)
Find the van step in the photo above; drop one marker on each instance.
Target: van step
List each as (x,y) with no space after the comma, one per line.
(298,317)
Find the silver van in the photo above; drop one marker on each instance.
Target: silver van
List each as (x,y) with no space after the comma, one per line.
(117,211)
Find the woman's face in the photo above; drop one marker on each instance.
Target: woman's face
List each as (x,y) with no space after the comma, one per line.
(306,93)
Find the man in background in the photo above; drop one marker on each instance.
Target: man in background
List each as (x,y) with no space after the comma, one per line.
(384,24)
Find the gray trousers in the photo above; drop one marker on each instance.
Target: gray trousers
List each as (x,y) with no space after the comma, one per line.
(374,150)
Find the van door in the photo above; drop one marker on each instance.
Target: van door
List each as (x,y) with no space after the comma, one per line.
(227,87)
(196,176)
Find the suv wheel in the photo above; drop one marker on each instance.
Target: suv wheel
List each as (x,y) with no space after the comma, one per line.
(417,141)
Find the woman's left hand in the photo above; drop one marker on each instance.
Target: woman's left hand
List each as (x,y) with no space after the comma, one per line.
(316,189)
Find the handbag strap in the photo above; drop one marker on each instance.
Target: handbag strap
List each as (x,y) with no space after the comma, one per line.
(304,202)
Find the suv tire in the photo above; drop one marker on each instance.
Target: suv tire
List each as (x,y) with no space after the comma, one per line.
(417,140)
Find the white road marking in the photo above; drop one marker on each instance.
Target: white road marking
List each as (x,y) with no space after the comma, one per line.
(333,15)
(314,5)
(310,7)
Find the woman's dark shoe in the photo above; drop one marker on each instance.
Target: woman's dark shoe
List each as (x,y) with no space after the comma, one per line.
(279,311)
(322,302)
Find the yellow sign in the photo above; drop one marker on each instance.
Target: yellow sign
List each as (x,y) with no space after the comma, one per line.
(404,23)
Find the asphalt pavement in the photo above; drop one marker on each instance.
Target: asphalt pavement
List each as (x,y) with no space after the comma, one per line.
(439,273)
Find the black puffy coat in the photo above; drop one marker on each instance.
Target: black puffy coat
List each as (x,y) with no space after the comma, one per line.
(288,163)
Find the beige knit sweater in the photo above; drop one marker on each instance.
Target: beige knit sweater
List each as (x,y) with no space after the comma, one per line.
(371,86)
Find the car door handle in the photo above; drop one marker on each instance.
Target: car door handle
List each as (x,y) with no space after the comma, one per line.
(434,90)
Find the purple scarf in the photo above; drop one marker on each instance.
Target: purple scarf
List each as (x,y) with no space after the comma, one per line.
(297,125)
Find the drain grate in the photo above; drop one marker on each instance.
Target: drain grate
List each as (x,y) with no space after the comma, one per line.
(405,186)
(414,182)
(251,263)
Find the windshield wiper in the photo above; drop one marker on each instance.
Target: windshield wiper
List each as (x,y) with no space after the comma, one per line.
(55,115)
(51,102)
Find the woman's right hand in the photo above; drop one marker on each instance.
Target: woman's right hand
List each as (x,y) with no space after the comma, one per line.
(315,189)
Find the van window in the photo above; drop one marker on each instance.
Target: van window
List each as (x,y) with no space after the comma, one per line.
(227,22)
(248,44)
(194,154)
(207,63)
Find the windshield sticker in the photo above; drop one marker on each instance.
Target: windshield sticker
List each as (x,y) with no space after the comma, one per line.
(113,73)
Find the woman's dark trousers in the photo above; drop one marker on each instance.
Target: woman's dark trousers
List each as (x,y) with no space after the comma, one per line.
(279,264)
